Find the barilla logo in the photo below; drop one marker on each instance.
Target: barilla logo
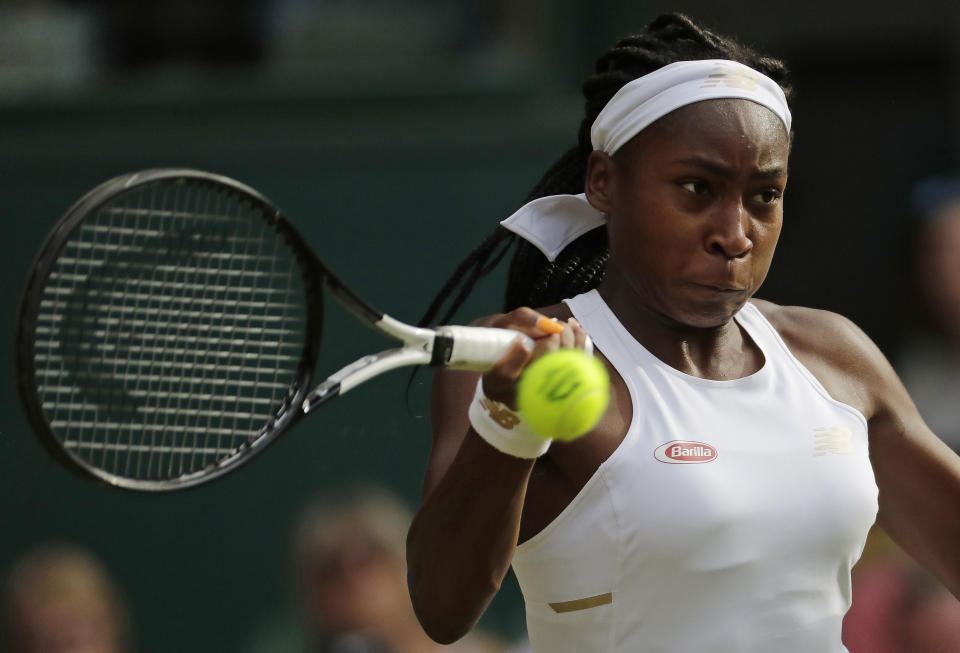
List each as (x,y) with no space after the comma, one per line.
(682,452)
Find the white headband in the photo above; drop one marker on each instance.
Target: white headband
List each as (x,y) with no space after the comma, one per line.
(646,99)
(551,223)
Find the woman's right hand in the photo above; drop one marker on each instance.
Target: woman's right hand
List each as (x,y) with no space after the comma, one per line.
(544,333)
(463,537)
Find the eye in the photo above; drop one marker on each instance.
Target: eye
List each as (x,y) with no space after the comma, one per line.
(694,186)
(768,196)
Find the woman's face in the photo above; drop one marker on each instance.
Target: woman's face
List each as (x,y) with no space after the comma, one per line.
(695,208)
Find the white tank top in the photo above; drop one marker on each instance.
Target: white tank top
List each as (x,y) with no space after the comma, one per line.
(727,520)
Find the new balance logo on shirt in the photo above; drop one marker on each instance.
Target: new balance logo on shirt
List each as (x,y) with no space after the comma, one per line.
(835,439)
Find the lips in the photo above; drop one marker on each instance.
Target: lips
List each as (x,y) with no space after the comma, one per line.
(720,286)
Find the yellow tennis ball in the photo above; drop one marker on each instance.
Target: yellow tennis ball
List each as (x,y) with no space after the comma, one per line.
(563,394)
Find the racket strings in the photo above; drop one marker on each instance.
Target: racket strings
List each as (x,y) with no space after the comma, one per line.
(168,332)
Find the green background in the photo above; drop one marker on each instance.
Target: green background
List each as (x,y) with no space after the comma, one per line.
(391,192)
(393,182)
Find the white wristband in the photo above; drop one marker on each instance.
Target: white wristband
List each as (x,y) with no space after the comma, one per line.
(504,429)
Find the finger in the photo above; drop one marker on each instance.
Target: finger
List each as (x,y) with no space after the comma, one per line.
(526,320)
(581,339)
(512,363)
(499,383)
(549,326)
(567,337)
(579,335)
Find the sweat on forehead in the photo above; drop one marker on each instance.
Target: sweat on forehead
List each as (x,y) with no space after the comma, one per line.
(646,99)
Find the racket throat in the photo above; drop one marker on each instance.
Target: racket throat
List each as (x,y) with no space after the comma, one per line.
(362,370)
(320,395)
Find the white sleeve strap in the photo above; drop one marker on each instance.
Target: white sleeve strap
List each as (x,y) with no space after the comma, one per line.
(503,428)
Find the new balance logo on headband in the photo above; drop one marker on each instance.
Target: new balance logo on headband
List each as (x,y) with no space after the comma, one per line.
(732,78)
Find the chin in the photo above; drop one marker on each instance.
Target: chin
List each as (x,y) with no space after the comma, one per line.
(709,317)
(707,322)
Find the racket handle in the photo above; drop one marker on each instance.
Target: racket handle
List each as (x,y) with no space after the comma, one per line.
(476,348)
(471,348)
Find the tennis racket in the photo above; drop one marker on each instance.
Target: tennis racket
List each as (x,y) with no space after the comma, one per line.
(170,327)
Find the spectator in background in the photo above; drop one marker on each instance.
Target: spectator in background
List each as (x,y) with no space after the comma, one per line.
(59,599)
(929,363)
(349,574)
(897,606)
(930,616)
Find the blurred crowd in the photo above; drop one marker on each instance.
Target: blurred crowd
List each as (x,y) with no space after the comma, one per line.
(66,45)
(347,564)
(348,595)
(929,361)
(61,599)
(897,606)
(347,571)
(347,586)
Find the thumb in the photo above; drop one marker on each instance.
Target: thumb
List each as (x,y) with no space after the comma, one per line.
(518,355)
(500,382)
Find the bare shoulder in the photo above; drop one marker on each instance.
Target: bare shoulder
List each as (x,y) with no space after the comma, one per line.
(917,475)
(836,351)
(820,332)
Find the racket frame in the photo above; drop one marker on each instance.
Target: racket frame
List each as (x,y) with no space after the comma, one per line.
(459,347)
(312,274)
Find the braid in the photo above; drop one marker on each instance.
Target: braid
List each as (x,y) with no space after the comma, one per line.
(535,281)
(476,265)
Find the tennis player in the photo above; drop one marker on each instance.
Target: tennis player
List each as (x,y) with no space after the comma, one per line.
(722,500)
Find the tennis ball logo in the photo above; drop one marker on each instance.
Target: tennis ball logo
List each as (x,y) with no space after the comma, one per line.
(563,394)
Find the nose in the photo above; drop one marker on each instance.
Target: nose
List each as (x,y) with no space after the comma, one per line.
(728,234)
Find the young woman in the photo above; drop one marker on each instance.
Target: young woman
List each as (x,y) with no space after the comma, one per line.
(748,447)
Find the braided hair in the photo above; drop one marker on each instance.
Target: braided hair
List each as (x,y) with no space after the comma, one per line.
(535,281)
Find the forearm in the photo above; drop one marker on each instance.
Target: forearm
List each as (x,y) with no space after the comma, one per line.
(462,539)
(920,506)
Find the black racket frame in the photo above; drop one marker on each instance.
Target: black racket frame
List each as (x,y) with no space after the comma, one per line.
(316,277)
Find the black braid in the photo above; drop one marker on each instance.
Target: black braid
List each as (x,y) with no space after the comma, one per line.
(535,281)
(478,265)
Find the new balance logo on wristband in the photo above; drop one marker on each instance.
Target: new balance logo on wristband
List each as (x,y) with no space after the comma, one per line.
(504,429)
(499,413)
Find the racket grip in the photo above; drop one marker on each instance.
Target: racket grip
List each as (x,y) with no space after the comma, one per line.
(471,348)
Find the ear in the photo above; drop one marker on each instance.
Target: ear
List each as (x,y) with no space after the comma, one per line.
(600,185)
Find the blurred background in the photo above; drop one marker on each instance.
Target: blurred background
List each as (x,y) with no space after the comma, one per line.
(395,133)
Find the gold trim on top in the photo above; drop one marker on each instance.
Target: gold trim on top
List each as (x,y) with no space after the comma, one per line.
(582,604)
